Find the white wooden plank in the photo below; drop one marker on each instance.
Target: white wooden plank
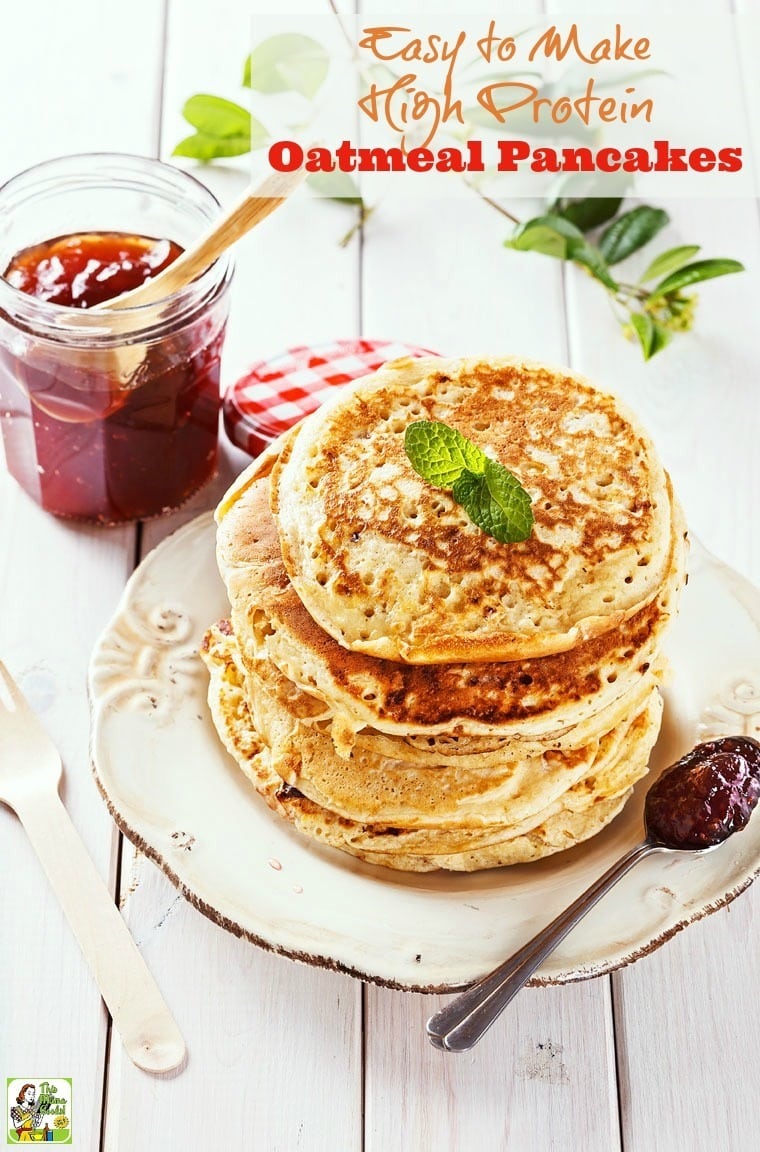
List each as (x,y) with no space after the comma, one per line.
(698,398)
(683,1020)
(80,77)
(542,1078)
(702,405)
(273,1045)
(748,39)
(73,78)
(274,1050)
(441,278)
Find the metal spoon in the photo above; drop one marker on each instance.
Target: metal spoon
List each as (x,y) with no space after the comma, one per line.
(681,814)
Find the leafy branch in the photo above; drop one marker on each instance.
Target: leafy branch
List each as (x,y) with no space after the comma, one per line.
(650,313)
(594,232)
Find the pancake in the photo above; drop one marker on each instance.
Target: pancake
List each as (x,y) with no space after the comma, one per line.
(393,568)
(445,793)
(579,813)
(542,698)
(398,685)
(427,750)
(558,834)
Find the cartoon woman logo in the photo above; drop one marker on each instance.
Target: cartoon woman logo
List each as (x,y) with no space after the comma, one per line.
(28,1115)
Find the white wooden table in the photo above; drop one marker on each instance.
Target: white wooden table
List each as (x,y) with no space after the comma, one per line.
(661,1055)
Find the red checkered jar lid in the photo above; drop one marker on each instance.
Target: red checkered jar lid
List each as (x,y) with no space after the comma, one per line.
(274,394)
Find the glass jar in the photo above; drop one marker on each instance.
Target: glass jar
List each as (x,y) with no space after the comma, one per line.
(108,417)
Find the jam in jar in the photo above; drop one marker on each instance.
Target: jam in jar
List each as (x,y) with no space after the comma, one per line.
(111,416)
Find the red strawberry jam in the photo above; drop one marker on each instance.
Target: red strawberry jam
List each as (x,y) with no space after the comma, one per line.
(85,438)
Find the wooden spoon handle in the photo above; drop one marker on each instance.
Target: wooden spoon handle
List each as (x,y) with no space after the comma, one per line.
(150,1035)
(254,206)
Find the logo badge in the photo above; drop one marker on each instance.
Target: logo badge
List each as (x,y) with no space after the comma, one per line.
(38,1110)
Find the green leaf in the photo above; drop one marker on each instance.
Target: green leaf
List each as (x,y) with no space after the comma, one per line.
(204,148)
(643,325)
(495,501)
(669,261)
(491,496)
(288,62)
(213,116)
(550,234)
(592,259)
(335,186)
(439,453)
(588,185)
(653,337)
(660,339)
(588,213)
(554,236)
(693,274)
(630,232)
(246,81)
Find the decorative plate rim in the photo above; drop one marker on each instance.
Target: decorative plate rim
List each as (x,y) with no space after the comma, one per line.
(574,974)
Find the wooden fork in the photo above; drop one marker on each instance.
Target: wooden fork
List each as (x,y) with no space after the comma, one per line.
(30,772)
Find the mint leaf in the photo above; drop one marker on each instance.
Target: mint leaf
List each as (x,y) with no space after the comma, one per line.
(491,496)
(440,454)
(495,501)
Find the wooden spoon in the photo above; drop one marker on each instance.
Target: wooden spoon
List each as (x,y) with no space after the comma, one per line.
(253,206)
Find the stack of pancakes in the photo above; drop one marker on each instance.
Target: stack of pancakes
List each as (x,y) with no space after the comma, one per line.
(402,686)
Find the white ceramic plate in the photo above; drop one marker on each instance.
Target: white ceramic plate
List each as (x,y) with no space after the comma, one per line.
(174,791)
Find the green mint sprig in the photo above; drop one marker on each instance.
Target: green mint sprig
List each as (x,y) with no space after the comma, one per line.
(491,496)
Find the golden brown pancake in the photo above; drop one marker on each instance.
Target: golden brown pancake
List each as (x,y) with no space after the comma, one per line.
(539,698)
(444,793)
(393,567)
(579,812)
(397,684)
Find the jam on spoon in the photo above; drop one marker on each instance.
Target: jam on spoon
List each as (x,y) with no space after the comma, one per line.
(695,805)
(706,796)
